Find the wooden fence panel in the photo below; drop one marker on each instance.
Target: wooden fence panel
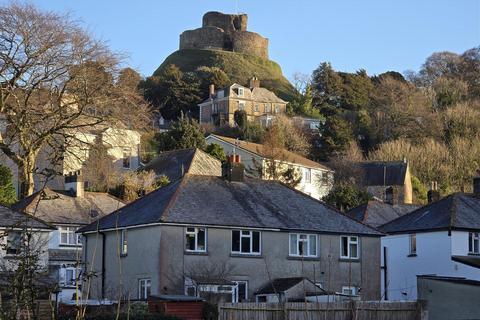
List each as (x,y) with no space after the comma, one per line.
(354,310)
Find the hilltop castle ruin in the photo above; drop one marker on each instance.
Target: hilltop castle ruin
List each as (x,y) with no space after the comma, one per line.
(227,32)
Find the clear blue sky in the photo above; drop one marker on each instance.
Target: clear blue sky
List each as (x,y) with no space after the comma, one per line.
(378,35)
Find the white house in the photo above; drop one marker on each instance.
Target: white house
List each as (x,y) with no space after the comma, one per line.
(67,211)
(316,179)
(440,239)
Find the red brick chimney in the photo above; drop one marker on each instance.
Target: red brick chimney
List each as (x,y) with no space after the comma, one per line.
(233,169)
(254,83)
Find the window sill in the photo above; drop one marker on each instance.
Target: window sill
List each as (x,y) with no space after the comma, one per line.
(303,258)
(412,255)
(474,254)
(196,253)
(123,255)
(246,255)
(65,245)
(349,259)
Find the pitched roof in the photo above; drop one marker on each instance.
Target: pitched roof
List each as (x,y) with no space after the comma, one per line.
(281,285)
(258,94)
(265,95)
(376,213)
(472,261)
(174,164)
(59,207)
(10,218)
(456,211)
(388,173)
(451,279)
(214,201)
(261,151)
(63,255)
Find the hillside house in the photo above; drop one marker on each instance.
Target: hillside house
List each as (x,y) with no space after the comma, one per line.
(376,213)
(260,104)
(122,145)
(226,237)
(388,181)
(441,239)
(67,210)
(316,179)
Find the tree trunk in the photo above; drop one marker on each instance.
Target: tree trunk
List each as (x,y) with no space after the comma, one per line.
(27,175)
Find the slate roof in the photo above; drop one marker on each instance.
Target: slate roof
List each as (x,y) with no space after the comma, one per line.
(451,279)
(280,285)
(376,213)
(63,255)
(459,211)
(174,164)
(472,261)
(10,218)
(258,94)
(255,203)
(379,173)
(259,150)
(59,207)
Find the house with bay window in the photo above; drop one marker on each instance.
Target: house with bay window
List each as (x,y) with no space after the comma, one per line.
(67,210)
(440,239)
(225,238)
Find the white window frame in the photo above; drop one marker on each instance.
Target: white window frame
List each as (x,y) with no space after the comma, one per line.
(241,105)
(307,239)
(472,238)
(123,242)
(308,175)
(249,235)
(18,246)
(236,293)
(145,285)
(352,291)
(64,230)
(277,109)
(256,107)
(412,244)
(350,242)
(195,234)
(267,108)
(240,92)
(126,155)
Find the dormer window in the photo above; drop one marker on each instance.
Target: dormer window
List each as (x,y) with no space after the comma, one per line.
(240,92)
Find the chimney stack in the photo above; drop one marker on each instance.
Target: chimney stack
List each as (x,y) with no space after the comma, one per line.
(254,83)
(233,169)
(74,184)
(211,90)
(433,194)
(476,184)
(391,196)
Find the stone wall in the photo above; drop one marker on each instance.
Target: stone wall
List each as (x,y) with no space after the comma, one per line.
(227,22)
(225,32)
(250,43)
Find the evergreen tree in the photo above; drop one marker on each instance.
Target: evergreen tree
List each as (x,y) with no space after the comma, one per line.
(185,133)
(327,86)
(345,196)
(8,195)
(216,151)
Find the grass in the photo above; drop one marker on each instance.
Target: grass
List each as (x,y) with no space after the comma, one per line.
(239,67)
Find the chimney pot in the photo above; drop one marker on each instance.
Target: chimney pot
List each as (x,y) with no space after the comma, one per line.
(254,82)
(433,194)
(211,90)
(74,183)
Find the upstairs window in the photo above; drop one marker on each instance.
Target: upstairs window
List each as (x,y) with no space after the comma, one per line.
(144,288)
(277,109)
(303,245)
(413,244)
(473,243)
(256,107)
(349,247)
(240,92)
(14,243)
(127,153)
(267,108)
(68,236)
(123,242)
(195,240)
(241,105)
(308,176)
(245,242)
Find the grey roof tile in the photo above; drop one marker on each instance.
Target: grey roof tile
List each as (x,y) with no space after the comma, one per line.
(376,213)
(11,218)
(255,203)
(389,173)
(456,211)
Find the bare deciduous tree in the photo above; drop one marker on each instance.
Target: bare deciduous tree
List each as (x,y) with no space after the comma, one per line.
(55,80)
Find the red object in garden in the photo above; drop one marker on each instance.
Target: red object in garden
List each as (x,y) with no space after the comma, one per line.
(184,307)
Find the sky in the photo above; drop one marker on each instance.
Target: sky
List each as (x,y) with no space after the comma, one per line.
(375,35)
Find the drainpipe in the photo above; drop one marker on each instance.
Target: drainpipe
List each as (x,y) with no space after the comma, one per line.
(103,264)
(385,280)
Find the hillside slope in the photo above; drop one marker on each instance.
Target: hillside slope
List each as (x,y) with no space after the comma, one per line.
(239,67)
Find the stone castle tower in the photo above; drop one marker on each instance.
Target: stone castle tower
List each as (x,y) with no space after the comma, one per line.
(227,32)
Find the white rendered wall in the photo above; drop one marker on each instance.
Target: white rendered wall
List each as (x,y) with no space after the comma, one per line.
(434,251)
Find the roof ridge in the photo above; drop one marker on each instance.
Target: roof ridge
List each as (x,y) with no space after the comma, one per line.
(173,197)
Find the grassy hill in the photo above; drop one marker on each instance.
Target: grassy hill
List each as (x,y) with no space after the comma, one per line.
(239,67)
